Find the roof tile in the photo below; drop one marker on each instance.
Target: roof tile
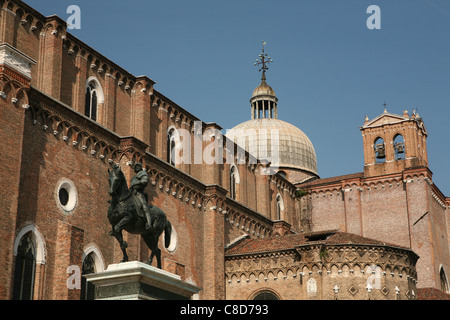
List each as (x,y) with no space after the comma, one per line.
(291,241)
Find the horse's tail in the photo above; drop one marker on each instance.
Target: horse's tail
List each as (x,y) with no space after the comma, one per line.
(167,234)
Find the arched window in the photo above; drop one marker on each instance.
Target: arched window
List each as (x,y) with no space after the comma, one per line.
(380,150)
(92,263)
(399,147)
(94,97)
(444,282)
(90,108)
(266,295)
(171,147)
(280,207)
(87,288)
(24,269)
(233,182)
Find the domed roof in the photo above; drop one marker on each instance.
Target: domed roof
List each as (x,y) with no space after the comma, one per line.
(262,137)
(265,137)
(263,90)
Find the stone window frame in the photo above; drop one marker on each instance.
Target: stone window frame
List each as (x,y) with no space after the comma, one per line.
(40,254)
(72,193)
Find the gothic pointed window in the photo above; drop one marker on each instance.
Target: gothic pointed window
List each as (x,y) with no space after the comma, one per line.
(171,147)
(94,98)
(233,182)
(90,108)
(24,269)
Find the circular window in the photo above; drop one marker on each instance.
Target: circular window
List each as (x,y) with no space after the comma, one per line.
(173,240)
(66,195)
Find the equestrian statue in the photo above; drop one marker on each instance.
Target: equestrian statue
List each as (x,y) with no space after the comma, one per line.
(129,210)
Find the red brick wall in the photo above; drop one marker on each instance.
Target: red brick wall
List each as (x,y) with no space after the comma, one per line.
(327,210)
(384,212)
(403,209)
(440,253)
(35,160)
(10,156)
(46,160)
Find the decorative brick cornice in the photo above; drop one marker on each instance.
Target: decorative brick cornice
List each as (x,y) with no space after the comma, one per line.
(13,75)
(133,143)
(323,259)
(246,219)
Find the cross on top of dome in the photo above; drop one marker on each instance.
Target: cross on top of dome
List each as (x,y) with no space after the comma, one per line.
(263,61)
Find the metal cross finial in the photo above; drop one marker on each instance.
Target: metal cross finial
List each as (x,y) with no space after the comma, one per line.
(385,108)
(263,61)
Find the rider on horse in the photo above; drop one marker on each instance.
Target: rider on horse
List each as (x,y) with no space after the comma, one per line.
(137,186)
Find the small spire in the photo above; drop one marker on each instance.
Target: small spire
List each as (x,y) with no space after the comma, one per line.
(385,108)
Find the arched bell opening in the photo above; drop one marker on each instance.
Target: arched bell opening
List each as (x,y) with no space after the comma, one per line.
(380,150)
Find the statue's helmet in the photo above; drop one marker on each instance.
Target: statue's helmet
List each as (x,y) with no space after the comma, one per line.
(138,164)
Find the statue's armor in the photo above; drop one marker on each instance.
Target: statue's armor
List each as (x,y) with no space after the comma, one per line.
(138,184)
(140,181)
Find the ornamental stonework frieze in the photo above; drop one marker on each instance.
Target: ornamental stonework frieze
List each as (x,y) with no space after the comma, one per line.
(261,263)
(322,259)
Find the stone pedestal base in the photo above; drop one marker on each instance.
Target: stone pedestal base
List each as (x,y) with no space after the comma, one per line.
(139,281)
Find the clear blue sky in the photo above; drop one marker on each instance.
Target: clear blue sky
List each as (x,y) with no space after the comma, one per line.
(329,69)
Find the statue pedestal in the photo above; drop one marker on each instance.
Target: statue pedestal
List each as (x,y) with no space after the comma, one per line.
(139,281)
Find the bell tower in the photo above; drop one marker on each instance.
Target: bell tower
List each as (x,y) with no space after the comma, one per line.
(393,143)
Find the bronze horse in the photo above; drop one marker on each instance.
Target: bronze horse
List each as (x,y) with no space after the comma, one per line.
(123,215)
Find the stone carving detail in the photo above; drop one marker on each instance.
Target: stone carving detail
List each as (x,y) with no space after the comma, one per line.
(16,60)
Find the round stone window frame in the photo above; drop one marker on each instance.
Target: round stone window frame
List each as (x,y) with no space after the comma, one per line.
(72,192)
(173,241)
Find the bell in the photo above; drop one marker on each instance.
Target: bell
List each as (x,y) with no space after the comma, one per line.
(399,147)
(380,151)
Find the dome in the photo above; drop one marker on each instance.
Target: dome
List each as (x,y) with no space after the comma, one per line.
(265,137)
(260,137)
(263,90)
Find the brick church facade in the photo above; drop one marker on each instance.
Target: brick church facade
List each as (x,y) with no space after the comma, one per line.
(67,113)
